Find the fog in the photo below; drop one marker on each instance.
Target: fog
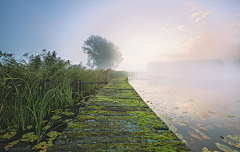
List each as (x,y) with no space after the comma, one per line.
(195,66)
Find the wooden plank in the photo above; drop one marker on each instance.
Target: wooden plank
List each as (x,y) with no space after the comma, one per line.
(117,119)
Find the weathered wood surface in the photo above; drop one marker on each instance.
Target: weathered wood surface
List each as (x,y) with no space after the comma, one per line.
(117,119)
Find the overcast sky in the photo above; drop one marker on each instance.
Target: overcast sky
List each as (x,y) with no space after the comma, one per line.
(144,30)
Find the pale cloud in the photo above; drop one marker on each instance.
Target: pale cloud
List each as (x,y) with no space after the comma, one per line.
(163,29)
(188,4)
(194,15)
(178,28)
(203,23)
(203,15)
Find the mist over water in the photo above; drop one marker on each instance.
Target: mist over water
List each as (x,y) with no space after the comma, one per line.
(200,106)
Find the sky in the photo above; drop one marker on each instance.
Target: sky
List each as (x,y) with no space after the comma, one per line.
(144,30)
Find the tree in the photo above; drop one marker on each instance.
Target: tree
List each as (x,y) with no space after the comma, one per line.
(101,53)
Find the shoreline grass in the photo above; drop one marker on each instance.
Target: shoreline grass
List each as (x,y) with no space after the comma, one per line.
(35,85)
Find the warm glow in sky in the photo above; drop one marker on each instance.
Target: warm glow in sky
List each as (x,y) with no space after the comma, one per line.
(144,30)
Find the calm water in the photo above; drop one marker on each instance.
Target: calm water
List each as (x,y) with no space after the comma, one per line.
(199,108)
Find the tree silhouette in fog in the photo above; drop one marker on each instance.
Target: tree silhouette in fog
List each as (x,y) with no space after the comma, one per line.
(101,53)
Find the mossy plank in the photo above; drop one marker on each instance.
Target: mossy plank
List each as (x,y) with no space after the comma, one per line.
(117,119)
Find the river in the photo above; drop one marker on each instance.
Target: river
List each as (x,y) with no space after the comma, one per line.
(202,109)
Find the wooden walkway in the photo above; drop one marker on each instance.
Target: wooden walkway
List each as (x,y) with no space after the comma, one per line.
(117,119)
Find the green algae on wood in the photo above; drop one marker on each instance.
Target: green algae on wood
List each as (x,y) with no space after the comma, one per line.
(117,119)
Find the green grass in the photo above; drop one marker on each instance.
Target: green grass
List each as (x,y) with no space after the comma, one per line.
(30,88)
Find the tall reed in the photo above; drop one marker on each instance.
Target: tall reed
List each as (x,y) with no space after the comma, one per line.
(30,88)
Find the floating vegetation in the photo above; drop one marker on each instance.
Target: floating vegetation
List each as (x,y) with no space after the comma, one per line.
(184,122)
(179,136)
(2,130)
(175,108)
(29,137)
(231,116)
(212,112)
(29,127)
(235,141)
(204,149)
(43,145)
(165,116)
(53,133)
(68,113)
(218,125)
(184,112)
(8,135)
(181,117)
(208,127)
(173,128)
(225,148)
(236,138)
(11,144)
(203,128)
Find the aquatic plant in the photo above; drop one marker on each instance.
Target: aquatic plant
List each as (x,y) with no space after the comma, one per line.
(35,85)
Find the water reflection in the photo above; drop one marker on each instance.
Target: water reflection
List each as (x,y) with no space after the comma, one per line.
(202,107)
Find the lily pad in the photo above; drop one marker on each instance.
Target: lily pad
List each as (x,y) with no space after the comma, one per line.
(208,127)
(218,125)
(53,133)
(67,120)
(52,138)
(237,145)
(203,128)
(68,113)
(224,148)
(29,127)
(185,122)
(236,138)
(165,116)
(204,149)
(9,135)
(184,112)
(29,137)
(41,145)
(210,111)
(179,136)
(231,116)
(2,130)
(181,117)
(173,128)
(175,108)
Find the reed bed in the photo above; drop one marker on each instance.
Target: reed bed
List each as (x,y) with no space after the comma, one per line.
(35,85)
